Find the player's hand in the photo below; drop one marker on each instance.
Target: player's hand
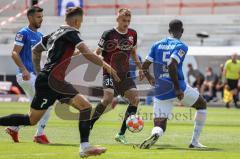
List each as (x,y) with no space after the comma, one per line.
(151,80)
(141,75)
(179,94)
(25,75)
(111,71)
(114,75)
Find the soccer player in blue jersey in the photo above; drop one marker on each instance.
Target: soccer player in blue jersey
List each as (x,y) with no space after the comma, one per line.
(25,38)
(167,57)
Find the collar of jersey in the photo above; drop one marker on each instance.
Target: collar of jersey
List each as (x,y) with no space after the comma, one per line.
(31,30)
(120,32)
(67,26)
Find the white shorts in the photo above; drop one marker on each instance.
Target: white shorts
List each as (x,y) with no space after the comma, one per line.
(163,108)
(27,86)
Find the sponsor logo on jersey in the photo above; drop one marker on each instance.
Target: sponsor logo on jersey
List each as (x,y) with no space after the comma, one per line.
(181,53)
(19,37)
(130,38)
(101,42)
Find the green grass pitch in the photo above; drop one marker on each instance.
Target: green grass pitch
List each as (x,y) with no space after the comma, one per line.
(221,134)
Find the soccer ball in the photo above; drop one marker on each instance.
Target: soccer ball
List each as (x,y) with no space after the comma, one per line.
(134,123)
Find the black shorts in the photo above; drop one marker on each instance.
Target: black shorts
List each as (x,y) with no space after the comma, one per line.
(119,87)
(45,96)
(233,84)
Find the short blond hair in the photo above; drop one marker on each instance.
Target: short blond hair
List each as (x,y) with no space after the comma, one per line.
(124,12)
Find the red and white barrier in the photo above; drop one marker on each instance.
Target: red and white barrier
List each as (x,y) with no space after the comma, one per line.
(14,18)
(8,6)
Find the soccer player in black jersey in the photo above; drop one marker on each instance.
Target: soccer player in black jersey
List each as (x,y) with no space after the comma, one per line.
(116,46)
(60,46)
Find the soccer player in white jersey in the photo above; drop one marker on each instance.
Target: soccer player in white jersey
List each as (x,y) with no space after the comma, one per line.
(167,57)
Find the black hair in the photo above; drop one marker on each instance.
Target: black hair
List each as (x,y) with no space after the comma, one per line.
(175,25)
(33,10)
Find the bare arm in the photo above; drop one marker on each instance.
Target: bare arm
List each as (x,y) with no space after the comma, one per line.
(138,63)
(145,68)
(36,57)
(136,59)
(16,58)
(172,68)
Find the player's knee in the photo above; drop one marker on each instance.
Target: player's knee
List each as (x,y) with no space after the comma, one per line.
(135,101)
(201,103)
(81,101)
(107,100)
(33,121)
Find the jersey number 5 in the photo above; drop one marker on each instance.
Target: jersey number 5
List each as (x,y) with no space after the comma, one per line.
(165,59)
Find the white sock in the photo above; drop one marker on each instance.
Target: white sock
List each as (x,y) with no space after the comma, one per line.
(200,118)
(157,130)
(84,145)
(43,121)
(15,128)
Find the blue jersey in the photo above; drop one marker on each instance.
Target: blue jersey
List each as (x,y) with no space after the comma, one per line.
(160,54)
(133,67)
(27,38)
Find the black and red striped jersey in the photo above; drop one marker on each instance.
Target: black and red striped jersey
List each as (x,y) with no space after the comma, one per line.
(117,47)
(60,46)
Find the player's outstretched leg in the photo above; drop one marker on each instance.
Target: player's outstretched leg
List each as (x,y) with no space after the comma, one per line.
(40,137)
(22,119)
(199,121)
(85,108)
(108,95)
(158,130)
(132,96)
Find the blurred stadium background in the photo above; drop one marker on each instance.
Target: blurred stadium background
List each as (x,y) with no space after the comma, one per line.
(219,19)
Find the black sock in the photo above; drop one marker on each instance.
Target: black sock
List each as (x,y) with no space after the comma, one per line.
(100,108)
(235,100)
(15,120)
(131,110)
(84,124)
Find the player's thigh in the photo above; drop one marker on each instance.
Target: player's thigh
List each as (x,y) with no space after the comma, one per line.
(132,96)
(35,115)
(108,95)
(162,108)
(192,98)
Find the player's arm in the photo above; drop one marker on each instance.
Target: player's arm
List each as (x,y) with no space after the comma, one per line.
(36,57)
(172,68)
(145,68)
(96,60)
(18,45)
(137,62)
(177,57)
(15,56)
(37,52)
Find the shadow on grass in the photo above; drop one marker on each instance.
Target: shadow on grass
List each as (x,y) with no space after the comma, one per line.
(172,147)
(60,144)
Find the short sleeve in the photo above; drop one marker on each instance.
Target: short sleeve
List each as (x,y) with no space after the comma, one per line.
(103,40)
(74,37)
(150,56)
(179,53)
(20,38)
(44,41)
